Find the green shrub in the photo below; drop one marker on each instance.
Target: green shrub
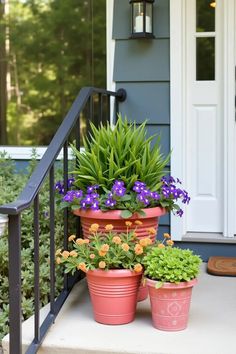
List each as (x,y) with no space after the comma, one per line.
(11,184)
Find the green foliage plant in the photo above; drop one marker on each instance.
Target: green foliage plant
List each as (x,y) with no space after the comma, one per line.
(165,263)
(123,152)
(122,168)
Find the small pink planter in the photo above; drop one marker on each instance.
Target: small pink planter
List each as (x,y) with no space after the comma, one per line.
(113,295)
(151,220)
(170,304)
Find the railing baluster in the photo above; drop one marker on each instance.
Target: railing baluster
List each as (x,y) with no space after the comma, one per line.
(109,108)
(91,109)
(77,144)
(65,179)
(52,240)
(100,108)
(36,269)
(15,283)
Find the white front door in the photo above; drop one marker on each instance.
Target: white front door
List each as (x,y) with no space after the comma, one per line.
(204,130)
(204,120)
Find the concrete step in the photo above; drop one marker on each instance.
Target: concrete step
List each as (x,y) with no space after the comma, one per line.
(211,329)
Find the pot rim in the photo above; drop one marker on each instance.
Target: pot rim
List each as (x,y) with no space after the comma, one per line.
(115,214)
(166,285)
(111,273)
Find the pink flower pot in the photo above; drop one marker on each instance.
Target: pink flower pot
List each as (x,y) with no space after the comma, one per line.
(113,295)
(170,304)
(89,217)
(151,220)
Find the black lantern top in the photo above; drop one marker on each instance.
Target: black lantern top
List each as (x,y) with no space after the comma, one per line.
(142,18)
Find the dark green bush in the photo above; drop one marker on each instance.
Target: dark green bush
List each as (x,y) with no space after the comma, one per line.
(11,184)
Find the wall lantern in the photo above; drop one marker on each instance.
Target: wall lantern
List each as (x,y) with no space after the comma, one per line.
(142,18)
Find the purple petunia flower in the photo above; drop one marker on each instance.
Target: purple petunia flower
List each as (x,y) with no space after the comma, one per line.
(110,202)
(180,212)
(155,195)
(139,187)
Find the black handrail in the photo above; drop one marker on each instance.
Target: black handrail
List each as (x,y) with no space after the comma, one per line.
(29,196)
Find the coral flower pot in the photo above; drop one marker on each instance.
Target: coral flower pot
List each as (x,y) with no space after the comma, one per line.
(170,304)
(113,295)
(150,220)
(89,217)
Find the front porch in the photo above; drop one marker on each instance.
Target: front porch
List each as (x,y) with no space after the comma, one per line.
(211,329)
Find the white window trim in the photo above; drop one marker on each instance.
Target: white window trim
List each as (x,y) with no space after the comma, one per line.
(177,109)
(25,152)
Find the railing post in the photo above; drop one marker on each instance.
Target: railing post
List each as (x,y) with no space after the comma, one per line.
(15,283)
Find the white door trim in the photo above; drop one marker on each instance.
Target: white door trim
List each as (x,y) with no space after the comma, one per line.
(229,124)
(177,104)
(178,111)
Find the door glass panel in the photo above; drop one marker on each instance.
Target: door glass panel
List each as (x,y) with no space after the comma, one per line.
(205,15)
(205,58)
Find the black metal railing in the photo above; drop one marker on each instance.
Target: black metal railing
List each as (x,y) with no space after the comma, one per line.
(96,105)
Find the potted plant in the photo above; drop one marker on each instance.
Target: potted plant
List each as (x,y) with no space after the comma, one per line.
(112,263)
(119,174)
(170,276)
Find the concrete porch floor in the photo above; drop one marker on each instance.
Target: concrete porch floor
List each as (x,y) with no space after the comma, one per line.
(211,329)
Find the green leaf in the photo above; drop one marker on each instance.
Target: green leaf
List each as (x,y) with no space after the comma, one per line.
(125,198)
(158,284)
(125,214)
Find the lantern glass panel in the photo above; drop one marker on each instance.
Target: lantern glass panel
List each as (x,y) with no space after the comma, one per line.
(138,17)
(148,18)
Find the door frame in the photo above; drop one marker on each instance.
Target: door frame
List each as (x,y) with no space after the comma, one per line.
(178,110)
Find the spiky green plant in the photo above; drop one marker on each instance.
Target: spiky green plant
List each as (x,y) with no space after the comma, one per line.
(123,152)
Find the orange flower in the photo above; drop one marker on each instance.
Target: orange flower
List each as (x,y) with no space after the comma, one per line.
(58,252)
(86,240)
(166,235)
(73,254)
(82,266)
(138,249)
(109,227)
(102,253)
(152,231)
(94,228)
(65,254)
(138,222)
(161,245)
(125,247)
(58,260)
(102,264)
(116,240)
(92,256)
(79,241)
(71,237)
(138,267)
(145,241)
(128,223)
(169,242)
(104,248)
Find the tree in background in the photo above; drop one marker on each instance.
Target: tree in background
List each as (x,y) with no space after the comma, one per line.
(56,47)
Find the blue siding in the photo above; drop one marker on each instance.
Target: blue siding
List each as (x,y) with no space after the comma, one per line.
(142,60)
(142,68)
